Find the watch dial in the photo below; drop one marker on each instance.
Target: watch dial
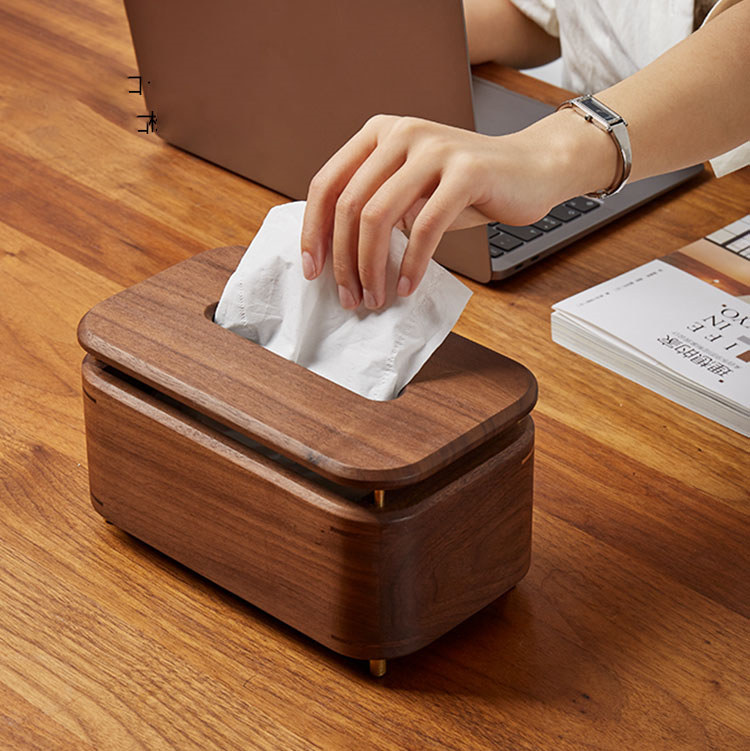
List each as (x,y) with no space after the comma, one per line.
(606,115)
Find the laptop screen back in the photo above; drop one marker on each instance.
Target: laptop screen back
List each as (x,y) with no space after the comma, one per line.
(271,89)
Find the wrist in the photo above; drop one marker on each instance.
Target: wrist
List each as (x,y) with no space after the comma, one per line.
(578,157)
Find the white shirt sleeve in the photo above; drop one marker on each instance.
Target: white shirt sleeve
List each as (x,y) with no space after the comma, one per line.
(731,161)
(542,12)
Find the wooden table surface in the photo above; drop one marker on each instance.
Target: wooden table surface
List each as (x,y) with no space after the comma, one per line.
(630,630)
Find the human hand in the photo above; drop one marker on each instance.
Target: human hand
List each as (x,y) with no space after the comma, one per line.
(425,178)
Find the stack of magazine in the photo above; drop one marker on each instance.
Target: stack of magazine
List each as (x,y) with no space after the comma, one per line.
(679,325)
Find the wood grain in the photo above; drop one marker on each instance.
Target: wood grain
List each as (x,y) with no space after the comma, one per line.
(160,332)
(630,630)
(367,582)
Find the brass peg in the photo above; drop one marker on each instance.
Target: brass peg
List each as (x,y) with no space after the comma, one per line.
(378,667)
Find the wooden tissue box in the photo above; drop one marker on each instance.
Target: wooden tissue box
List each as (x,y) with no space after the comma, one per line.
(372,527)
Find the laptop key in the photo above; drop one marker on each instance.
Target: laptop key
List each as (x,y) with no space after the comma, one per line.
(741,243)
(522,233)
(564,213)
(547,223)
(503,241)
(582,204)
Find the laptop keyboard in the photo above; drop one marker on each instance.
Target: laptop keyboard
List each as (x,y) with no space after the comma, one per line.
(735,237)
(505,238)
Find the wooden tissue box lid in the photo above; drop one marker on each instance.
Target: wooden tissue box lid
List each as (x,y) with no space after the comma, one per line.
(161,333)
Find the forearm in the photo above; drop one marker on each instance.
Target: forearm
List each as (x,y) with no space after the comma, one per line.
(689,105)
(497,30)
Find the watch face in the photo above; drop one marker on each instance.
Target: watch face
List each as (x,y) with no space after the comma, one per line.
(607,115)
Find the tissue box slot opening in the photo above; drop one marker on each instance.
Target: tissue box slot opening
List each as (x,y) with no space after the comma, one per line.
(210,312)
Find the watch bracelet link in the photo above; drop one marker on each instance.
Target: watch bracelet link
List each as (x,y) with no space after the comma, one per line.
(598,114)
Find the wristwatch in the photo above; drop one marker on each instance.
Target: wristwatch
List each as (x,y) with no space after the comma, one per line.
(597,113)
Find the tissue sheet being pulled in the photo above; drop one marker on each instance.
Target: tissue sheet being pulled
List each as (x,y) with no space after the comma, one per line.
(373,353)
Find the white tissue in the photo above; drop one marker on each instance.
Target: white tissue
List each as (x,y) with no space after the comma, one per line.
(373,353)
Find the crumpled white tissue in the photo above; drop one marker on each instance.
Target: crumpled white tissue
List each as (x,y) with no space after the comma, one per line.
(373,353)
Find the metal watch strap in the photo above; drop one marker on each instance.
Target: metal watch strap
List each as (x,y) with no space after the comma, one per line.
(597,113)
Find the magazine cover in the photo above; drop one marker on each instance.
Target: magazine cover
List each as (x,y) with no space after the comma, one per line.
(686,314)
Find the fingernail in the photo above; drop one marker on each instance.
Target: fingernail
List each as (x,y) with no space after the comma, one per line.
(308,265)
(371,301)
(404,287)
(346,298)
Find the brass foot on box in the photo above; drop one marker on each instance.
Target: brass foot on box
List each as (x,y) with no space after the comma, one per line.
(378,668)
(379,498)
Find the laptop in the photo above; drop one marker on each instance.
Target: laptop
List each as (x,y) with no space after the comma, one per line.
(270,90)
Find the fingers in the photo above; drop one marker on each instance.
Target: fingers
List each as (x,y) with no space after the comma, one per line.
(349,214)
(324,191)
(387,206)
(436,217)
(394,172)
